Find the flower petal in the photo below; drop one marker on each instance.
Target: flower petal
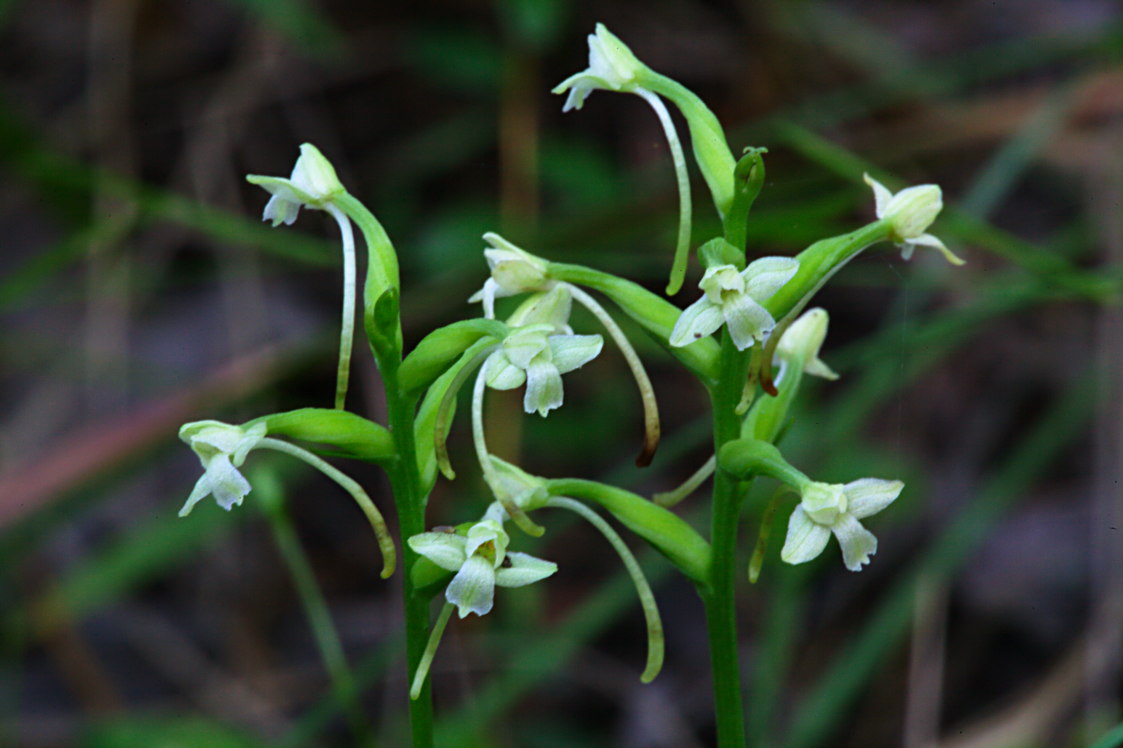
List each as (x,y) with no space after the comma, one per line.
(524,569)
(227,484)
(487,295)
(765,276)
(816,367)
(472,590)
(747,320)
(543,387)
(806,539)
(927,240)
(571,352)
(868,496)
(697,321)
(857,543)
(881,195)
(201,491)
(249,441)
(501,374)
(279,210)
(488,531)
(444,549)
(526,343)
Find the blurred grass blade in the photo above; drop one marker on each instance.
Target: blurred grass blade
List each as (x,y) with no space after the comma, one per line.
(1113,738)
(1016,155)
(148,552)
(269,498)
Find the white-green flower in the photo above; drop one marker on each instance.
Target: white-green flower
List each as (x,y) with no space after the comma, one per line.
(313,184)
(735,299)
(612,67)
(222,448)
(535,356)
(513,271)
(827,508)
(481,561)
(803,339)
(911,211)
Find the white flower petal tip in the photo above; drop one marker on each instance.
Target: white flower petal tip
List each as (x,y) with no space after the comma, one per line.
(612,67)
(910,212)
(803,340)
(312,184)
(735,298)
(221,449)
(827,509)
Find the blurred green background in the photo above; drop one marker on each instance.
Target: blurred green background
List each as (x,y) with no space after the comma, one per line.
(139,290)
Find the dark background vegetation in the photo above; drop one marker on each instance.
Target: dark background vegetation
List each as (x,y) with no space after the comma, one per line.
(139,291)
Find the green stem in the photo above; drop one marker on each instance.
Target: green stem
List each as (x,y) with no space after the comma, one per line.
(719,595)
(384,334)
(405,480)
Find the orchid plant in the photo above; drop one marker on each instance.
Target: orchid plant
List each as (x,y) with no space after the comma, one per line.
(749,340)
